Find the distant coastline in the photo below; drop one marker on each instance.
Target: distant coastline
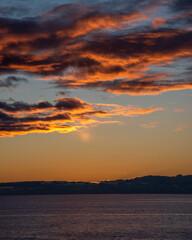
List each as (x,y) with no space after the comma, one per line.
(141,185)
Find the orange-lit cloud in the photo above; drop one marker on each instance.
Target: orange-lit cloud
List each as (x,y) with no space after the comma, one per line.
(66,115)
(158,22)
(100,21)
(124,68)
(113,50)
(129,111)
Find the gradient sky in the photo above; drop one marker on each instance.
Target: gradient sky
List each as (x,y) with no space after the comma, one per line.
(95,90)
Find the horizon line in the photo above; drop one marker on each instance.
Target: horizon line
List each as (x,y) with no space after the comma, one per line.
(97,182)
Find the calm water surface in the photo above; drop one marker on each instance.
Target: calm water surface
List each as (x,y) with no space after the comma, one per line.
(87,217)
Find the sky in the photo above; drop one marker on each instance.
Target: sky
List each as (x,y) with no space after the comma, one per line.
(95,90)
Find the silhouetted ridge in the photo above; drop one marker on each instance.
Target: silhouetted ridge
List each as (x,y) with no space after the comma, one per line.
(147,184)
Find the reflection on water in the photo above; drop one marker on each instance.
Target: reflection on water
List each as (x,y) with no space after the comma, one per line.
(89,217)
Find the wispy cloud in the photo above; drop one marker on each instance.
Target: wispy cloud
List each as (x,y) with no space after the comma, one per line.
(179,110)
(149,125)
(180,128)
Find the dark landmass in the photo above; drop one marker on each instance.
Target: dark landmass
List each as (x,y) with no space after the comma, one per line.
(148,184)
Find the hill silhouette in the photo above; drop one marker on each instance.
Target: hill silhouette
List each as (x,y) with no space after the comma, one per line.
(147,184)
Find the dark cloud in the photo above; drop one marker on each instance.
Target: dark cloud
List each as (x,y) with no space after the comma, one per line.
(22,118)
(67,104)
(63,93)
(154,42)
(5,117)
(12,81)
(182,10)
(141,87)
(57,117)
(32,119)
(70,104)
(24,128)
(92,113)
(21,106)
(181,5)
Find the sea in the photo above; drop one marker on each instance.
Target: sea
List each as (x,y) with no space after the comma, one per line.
(96,216)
